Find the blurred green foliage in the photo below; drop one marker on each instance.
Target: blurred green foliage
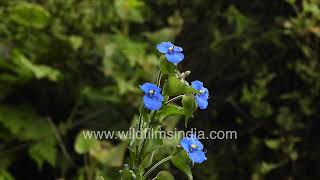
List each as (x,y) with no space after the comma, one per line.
(68,65)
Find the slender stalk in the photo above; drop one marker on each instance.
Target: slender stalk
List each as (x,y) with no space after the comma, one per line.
(156,165)
(159,78)
(152,115)
(60,142)
(139,123)
(174,99)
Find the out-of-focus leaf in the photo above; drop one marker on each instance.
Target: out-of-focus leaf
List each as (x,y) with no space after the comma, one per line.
(4,175)
(39,71)
(76,42)
(44,150)
(160,35)
(29,14)
(85,142)
(266,167)
(272,143)
(112,156)
(130,10)
(18,120)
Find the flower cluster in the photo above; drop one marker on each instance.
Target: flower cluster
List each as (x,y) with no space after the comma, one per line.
(154,100)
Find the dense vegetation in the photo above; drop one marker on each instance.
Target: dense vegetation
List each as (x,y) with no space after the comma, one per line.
(68,65)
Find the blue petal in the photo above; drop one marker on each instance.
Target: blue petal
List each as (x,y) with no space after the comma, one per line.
(197,156)
(146,87)
(194,140)
(158,96)
(152,103)
(206,94)
(199,145)
(175,57)
(202,102)
(177,49)
(164,46)
(198,85)
(185,143)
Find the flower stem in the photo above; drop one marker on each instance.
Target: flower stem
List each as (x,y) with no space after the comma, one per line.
(151,116)
(174,99)
(156,165)
(159,78)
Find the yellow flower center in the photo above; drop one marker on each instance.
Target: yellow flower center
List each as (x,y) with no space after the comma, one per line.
(171,48)
(152,91)
(202,91)
(193,146)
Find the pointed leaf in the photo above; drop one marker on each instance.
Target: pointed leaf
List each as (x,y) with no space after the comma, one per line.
(181,161)
(164,175)
(175,86)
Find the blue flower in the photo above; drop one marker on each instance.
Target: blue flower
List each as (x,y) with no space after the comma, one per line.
(153,98)
(203,96)
(194,149)
(173,53)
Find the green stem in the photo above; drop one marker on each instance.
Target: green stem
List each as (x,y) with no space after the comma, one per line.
(152,115)
(139,123)
(174,99)
(159,78)
(156,165)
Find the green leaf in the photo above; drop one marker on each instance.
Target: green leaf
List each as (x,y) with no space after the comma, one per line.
(143,112)
(83,145)
(159,35)
(129,10)
(181,161)
(112,157)
(272,143)
(170,110)
(44,150)
(175,86)
(4,175)
(189,106)
(164,175)
(127,174)
(29,14)
(166,67)
(39,71)
(151,145)
(25,125)
(147,161)
(266,167)
(75,42)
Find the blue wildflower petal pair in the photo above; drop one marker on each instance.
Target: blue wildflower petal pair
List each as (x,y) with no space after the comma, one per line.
(153,98)
(203,96)
(173,53)
(194,149)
